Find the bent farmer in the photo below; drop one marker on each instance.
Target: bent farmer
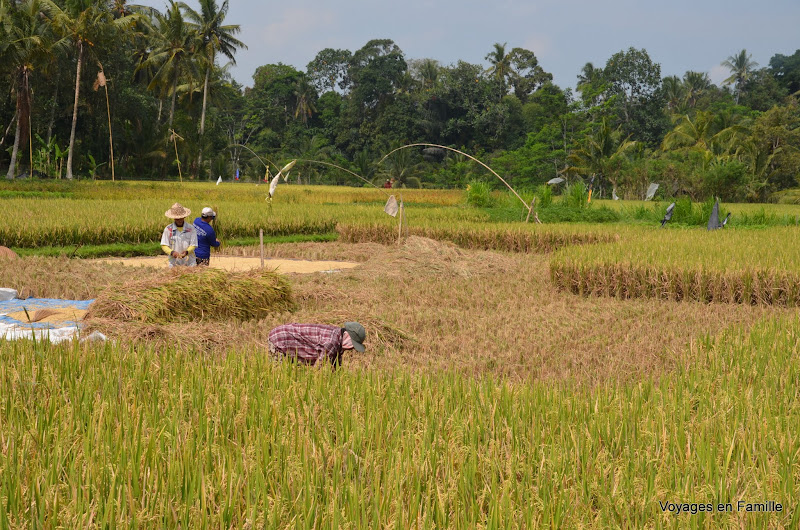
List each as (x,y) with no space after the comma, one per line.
(179,238)
(308,343)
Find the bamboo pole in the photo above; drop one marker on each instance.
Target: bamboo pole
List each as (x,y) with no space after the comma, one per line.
(400,224)
(405,221)
(492,171)
(30,142)
(530,209)
(261,244)
(177,159)
(110,138)
(218,249)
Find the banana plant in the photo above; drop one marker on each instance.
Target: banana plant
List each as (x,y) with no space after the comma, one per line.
(93,165)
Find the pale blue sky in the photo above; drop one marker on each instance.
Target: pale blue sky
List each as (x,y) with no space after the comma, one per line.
(681,35)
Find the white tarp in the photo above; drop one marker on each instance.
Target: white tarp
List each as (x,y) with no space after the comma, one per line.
(556,180)
(6,293)
(13,326)
(54,335)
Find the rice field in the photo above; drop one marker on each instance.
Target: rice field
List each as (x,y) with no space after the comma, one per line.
(112,436)
(493,393)
(728,266)
(98,213)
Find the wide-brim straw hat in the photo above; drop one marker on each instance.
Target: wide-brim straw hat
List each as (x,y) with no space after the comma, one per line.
(177,212)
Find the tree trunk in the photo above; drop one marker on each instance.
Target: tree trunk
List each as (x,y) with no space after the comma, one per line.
(52,118)
(169,124)
(203,123)
(160,105)
(172,105)
(75,111)
(13,163)
(110,137)
(5,134)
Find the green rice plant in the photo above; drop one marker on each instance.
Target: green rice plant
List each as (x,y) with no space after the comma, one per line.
(479,194)
(684,211)
(544,196)
(576,195)
(641,213)
(561,213)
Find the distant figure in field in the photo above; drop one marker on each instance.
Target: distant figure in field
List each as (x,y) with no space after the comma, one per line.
(179,238)
(308,343)
(206,236)
(387,184)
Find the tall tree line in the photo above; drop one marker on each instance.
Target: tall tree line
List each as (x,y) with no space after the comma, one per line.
(56,54)
(159,78)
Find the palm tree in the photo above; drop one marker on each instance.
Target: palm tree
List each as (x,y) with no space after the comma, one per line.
(675,93)
(590,83)
(364,164)
(697,133)
(757,157)
(169,59)
(215,38)
(501,64)
(399,167)
(602,154)
(84,23)
(589,75)
(741,66)
(314,148)
(28,44)
(305,107)
(696,84)
(702,134)
(429,72)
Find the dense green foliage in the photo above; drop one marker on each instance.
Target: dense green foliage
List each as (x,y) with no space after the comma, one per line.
(176,113)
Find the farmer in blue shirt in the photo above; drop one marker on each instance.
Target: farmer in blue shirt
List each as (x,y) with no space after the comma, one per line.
(206,237)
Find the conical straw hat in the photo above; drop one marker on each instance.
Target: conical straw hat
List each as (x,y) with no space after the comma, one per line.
(177,211)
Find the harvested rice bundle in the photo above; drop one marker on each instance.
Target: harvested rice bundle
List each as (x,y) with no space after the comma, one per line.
(196,294)
(41,314)
(6,252)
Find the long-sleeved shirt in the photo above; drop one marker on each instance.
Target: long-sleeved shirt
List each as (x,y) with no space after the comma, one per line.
(180,239)
(309,343)
(206,238)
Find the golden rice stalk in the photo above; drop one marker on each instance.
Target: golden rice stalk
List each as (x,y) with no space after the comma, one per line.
(624,280)
(188,295)
(41,314)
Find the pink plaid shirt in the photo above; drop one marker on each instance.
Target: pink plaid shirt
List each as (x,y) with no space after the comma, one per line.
(308,342)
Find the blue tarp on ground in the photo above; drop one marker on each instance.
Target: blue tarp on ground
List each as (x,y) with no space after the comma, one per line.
(32,304)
